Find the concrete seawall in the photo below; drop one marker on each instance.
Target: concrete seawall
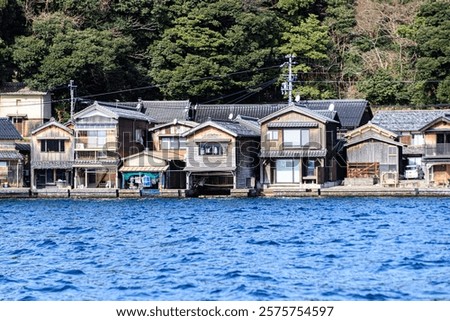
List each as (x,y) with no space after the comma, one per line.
(338,191)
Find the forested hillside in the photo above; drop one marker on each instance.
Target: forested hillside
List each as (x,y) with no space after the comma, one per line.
(387,51)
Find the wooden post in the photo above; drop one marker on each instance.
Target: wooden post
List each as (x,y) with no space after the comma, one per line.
(300,169)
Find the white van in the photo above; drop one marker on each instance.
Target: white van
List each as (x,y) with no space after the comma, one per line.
(414,172)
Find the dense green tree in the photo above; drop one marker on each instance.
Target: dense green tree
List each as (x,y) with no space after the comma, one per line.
(4,58)
(309,41)
(211,40)
(12,24)
(391,52)
(433,50)
(57,52)
(380,88)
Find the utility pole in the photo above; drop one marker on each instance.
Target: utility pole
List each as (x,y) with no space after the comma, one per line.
(290,80)
(287,86)
(72,88)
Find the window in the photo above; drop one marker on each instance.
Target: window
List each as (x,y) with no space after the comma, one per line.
(272,135)
(417,139)
(170,143)
(139,136)
(16,120)
(183,142)
(96,138)
(309,169)
(287,171)
(295,137)
(392,151)
(52,145)
(210,149)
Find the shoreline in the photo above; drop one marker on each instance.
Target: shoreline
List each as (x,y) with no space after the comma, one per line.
(336,191)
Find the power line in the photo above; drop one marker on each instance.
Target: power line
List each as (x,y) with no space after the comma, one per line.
(246,90)
(261,87)
(149,87)
(182,81)
(212,77)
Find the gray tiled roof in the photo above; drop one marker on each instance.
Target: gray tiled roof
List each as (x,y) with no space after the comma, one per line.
(386,140)
(350,111)
(406,120)
(223,112)
(24,147)
(8,131)
(52,122)
(240,129)
(249,122)
(164,111)
(332,114)
(299,109)
(129,113)
(187,123)
(119,110)
(10,155)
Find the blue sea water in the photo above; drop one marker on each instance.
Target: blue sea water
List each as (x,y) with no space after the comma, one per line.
(225,249)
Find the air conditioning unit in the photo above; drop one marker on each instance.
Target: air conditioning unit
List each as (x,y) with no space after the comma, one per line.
(79,146)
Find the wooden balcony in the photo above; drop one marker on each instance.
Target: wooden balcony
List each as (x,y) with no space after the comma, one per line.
(363,170)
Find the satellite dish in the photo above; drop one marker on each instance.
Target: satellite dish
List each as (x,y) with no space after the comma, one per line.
(331,107)
(175,121)
(297,98)
(230,116)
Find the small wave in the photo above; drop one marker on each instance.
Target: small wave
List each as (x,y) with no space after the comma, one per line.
(53,289)
(48,244)
(6,280)
(77,230)
(266,295)
(255,277)
(71,272)
(384,267)
(166,270)
(230,275)
(28,298)
(184,286)
(195,253)
(252,241)
(371,297)
(21,251)
(125,288)
(257,228)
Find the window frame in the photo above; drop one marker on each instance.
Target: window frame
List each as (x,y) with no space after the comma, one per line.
(57,146)
(272,135)
(210,149)
(303,137)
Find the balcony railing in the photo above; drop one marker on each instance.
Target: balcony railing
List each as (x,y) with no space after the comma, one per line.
(95,143)
(96,155)
(437,150)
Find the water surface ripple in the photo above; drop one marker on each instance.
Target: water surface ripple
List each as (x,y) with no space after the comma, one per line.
(225,249)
